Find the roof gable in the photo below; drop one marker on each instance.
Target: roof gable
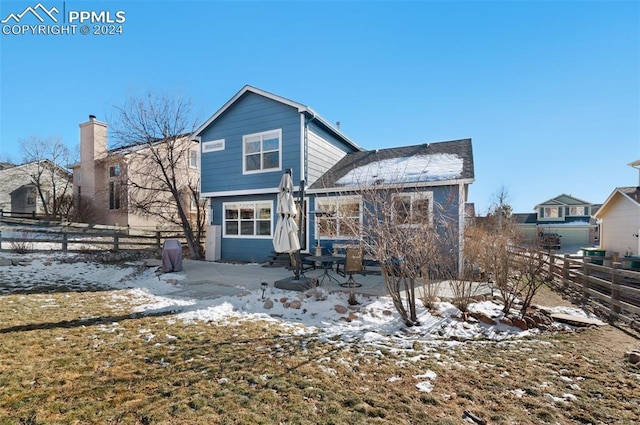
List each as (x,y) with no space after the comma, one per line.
(418,165)
(632,194)
(564,200)
(301,108)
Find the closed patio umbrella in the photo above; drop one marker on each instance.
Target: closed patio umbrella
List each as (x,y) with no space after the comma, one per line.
(285,237)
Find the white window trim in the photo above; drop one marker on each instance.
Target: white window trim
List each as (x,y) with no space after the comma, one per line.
(195,153)
(213,146)
(413,196)
(224,220)
(350,198)
(244,154)
(547,217)
(584,208)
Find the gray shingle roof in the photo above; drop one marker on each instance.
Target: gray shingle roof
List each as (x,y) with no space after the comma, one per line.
(632,192)
(419,164)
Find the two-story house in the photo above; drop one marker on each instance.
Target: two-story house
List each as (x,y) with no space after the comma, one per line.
(245,148)
(564,215)
(255,136)
(103,178)
(28,187)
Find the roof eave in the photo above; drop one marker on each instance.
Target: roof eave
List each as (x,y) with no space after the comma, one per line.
(331,128)
(392,186)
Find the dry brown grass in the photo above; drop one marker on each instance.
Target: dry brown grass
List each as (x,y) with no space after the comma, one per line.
(82,357)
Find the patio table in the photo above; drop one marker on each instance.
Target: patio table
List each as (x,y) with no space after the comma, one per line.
(327,262)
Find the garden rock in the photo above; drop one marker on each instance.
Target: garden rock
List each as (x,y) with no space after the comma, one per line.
(506,321)
(633,357)
(295,304)
(340,309)
(268,304)
(484,318)
(520,323)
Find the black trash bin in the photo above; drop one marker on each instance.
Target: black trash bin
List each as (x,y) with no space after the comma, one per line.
(171,256)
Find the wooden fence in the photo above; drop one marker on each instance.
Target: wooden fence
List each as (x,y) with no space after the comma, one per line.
(615,289)
(25,239)
(19,214)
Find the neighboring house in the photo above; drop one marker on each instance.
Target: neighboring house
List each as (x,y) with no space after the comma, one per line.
(619,219)
(565,215)
(256,136)
(101,180)
(18,186)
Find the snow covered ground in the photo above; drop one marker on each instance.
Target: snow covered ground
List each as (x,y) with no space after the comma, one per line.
(373,321)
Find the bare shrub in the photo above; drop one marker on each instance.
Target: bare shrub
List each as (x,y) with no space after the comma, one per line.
(21,246)
(409,236)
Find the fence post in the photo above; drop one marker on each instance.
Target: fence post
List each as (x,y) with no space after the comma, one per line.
(158,240)
(615,293)
(116,242)
(565,271)
(585,277)
(0,239)
(65,242)
(33,214)
(552,264)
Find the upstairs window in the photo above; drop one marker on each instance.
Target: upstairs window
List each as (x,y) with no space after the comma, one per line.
(114,170)
(261,151)
(578,211)
(193,158)
(551,212)
(213,146)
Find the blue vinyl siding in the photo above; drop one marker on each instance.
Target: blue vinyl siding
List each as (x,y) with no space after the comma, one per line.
(252,113)
(324,150)
(321,131)
(243,249)
(445,199)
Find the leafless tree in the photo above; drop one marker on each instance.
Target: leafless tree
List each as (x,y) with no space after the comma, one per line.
(529,275)
(49,158)
(517,271)
(160,174)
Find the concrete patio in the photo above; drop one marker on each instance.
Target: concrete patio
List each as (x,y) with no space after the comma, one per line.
(205,280)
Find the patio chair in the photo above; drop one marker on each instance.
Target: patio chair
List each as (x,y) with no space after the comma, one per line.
(295,257)
(353,263)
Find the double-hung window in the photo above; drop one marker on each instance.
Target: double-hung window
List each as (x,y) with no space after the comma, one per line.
(413,208)
(552,212)
(262,151)
(193,158)
(341,218)
(114,187)
(248,219)
(578,211)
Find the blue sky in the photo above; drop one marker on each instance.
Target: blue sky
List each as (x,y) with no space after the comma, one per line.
(548,91)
